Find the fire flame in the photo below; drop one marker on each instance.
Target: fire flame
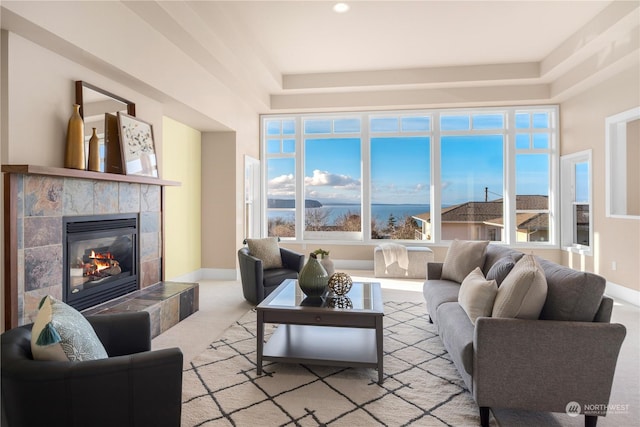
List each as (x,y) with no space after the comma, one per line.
(102,260)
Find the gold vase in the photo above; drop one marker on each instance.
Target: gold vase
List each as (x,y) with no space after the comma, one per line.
(94,152)
(74,151)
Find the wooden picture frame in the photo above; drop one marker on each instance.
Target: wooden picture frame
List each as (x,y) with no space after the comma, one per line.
(138,149)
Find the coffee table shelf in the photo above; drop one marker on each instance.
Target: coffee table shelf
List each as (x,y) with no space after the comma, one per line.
(315,332)
(322,345)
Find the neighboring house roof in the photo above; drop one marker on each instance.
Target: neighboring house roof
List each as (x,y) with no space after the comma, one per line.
(490,212)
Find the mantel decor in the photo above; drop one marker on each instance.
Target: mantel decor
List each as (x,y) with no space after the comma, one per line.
(98,108)
(136,137)
(74,149)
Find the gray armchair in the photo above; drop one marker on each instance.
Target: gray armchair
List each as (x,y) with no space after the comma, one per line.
(257,282)
(134,387)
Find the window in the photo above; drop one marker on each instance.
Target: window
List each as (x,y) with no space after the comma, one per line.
(472,176)
(280,144)
(428,175)
(400,159)
(332,178)
(577,230)
(534,133)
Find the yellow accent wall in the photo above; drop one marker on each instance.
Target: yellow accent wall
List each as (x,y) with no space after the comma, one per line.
(181,154)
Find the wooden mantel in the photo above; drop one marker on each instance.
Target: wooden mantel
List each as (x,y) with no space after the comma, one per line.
(11,173)
(82,174)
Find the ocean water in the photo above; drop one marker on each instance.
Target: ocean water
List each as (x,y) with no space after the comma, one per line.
(380,212)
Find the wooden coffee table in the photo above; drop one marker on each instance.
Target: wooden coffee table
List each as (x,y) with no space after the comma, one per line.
(311,331)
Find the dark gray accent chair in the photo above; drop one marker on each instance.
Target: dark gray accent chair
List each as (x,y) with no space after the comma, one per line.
(133,387)
(257,282)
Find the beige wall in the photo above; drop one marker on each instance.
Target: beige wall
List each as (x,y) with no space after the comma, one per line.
(633,167)
(582,127)
(182,213)
(40,96)
(219,204)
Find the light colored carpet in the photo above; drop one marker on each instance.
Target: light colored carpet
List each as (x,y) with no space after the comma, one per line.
(421,387)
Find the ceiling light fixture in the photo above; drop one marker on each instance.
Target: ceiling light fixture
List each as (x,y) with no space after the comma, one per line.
(340,7)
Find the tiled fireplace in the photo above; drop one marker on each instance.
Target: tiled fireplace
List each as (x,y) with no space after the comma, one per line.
(38,204)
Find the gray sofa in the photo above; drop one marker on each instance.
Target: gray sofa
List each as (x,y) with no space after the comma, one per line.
(568,355)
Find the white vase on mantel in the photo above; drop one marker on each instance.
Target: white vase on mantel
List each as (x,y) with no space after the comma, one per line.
(327,263)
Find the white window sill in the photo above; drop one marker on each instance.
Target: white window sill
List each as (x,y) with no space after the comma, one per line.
(582,250)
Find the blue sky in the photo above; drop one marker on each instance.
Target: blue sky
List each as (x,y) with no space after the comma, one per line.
(400,166)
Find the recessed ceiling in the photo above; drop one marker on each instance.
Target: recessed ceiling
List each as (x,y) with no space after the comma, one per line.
(309,37)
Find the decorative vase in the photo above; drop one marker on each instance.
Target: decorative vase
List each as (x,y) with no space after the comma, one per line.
(94,152)
(327,263)
(313,278)
(74,150)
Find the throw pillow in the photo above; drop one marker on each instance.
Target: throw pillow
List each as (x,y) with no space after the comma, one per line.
(267,250)
(477,294)
(462,258)
(500,269)
(61,333)
(523,292)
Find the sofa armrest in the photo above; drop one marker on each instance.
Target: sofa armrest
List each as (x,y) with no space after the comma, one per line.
(543,365)
(251,276)
(123,333)
(434,270)
(604,311)
(292,260)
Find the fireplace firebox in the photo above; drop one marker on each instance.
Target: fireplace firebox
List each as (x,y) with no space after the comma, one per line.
(100,258)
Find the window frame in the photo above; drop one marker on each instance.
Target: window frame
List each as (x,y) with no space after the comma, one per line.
(434,134)
(568,164)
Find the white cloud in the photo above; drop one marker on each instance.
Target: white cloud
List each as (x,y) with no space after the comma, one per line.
(283,185)
(324,178)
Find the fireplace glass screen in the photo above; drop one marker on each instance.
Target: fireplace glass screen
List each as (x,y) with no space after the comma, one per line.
(95,262)
(101,259)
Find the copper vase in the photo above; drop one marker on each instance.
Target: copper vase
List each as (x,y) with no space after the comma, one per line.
(74,151)
(94,152)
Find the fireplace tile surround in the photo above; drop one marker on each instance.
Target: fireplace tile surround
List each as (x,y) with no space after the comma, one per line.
(40,202)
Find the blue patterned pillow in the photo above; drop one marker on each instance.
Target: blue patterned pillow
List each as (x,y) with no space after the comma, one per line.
(61,333)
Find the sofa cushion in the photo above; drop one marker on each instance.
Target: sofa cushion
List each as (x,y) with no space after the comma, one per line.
(61,333)
(456,332)
(437,292)
(477,295)
(523,292)
(267,250)
(462,258)
(274,277)
(572,295)
(495,253)
(500,269)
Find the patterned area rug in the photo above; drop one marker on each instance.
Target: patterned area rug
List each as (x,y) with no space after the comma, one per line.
(421,387)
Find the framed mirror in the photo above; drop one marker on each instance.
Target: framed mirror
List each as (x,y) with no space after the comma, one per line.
(622,145)
(99,109)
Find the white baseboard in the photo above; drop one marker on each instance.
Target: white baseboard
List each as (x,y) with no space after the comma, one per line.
(623,293)
(207,274)
(229,274)
(353,264)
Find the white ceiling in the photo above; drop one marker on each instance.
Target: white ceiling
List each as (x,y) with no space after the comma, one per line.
(283,56)
(308,37)
(302,56)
